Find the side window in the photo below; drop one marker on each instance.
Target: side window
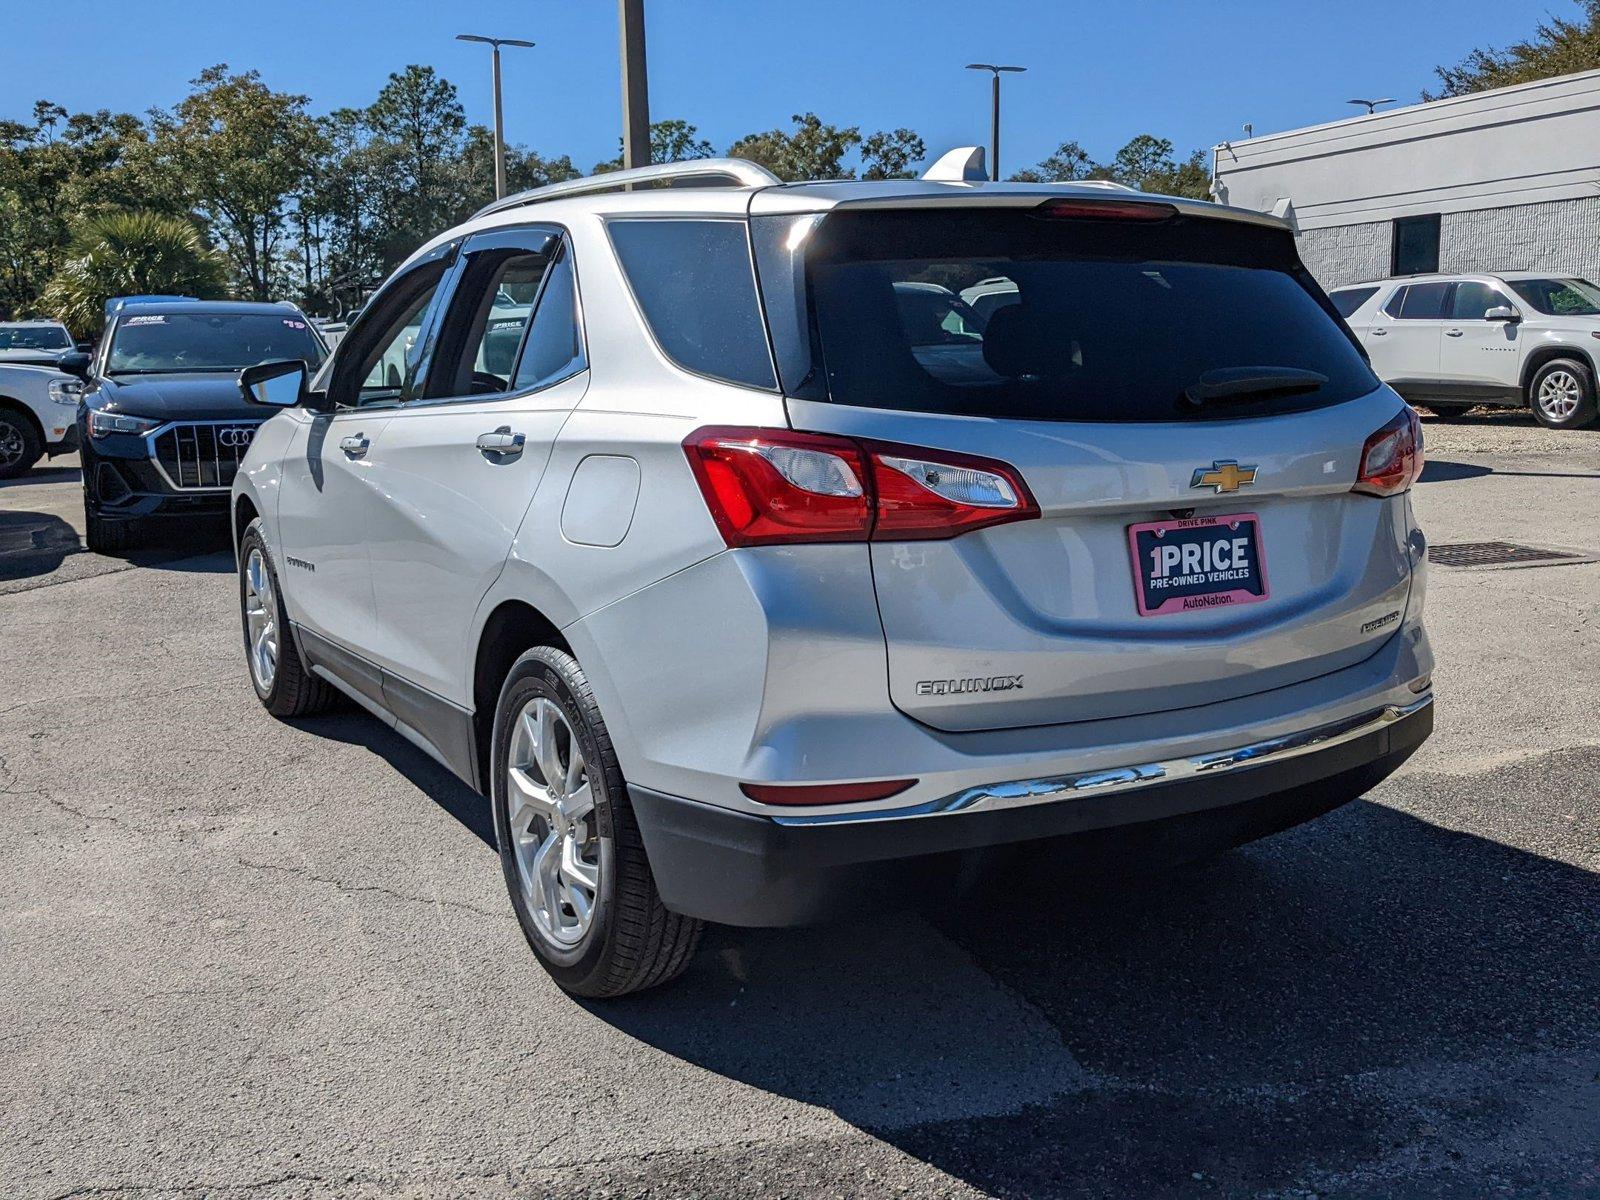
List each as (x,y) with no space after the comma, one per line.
(695,284)
(553,350)
(1472,300)
(388,366)
(1424,302)
(1350,299)
(504,286)
(1396,302)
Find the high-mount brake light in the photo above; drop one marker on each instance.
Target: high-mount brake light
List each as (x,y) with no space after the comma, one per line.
(1391,460)
(1105,210)
(777,486)
(824,793)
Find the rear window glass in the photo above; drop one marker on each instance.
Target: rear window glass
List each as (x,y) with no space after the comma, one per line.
(1351,299)
(696,287)
(1560,297)
(1002,313)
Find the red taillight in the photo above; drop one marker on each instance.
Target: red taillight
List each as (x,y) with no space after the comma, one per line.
(1391,460)
(770,486)
(1105,210)
(824,793)
(776,486)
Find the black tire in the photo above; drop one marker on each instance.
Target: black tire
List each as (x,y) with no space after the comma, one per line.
(20,444)
(107,536)
(292,690)
(632,942)
(1582,415)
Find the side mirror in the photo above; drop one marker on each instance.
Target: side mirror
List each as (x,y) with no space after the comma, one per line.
(75,362)
(1502,312)
(280,384)
(85,347)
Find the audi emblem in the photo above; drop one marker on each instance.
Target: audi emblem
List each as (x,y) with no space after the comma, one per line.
(235,437)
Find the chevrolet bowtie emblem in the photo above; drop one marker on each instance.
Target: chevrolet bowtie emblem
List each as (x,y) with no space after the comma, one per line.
(1223,476)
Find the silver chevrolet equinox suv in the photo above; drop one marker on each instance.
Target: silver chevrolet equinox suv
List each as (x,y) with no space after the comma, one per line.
(758,576)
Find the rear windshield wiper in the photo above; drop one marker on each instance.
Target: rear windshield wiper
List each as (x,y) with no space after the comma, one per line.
(1240,385)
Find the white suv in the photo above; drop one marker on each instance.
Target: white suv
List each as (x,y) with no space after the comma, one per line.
(1451,342)
(756,577)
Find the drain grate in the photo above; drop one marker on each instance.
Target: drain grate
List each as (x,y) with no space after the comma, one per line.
(1495,554)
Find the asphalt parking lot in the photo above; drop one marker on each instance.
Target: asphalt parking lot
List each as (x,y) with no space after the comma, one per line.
(239,957)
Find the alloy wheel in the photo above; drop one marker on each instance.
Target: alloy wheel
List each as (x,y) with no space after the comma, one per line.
(550,804)
(12,447)
(261,620)
(1559,395)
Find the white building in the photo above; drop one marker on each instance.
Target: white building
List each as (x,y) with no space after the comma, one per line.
(1495,181)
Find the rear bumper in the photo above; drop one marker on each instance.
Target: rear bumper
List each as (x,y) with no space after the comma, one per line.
(745,869)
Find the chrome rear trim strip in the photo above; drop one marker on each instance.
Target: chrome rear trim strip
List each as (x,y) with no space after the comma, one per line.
(1021,792)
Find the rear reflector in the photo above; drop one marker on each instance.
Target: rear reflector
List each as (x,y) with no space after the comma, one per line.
(1391,460)
(824,793)
(776,486)
(1105,210)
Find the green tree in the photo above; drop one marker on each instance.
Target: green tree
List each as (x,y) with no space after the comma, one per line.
(812,150)
(1190,178)
(55,169)
(1143,161)
(892,154)
(419,132)
(1069,162)
(672,140)
(241,153)
(132,253)
(1558,47)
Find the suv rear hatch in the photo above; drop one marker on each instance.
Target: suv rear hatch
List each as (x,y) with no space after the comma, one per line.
(1145,371)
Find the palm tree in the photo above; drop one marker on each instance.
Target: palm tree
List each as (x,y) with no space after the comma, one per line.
(132,253)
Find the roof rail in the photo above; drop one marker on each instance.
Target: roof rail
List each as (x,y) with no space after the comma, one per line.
(716,172)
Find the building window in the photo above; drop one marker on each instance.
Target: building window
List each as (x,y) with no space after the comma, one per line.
(1416,245)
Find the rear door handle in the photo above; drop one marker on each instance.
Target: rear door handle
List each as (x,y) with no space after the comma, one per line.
(355,445)
(501,441)
(1453,332)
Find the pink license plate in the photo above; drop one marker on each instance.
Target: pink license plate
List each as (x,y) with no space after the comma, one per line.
(1197,563)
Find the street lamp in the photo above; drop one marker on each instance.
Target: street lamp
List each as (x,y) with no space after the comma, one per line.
(994,114)
(499,118)
(1372,105)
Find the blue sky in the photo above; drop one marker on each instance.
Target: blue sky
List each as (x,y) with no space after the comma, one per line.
(1190,70)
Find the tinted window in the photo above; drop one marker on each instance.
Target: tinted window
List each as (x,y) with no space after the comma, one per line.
(696,287)
(1351,299)
(146,343)
(1424,302)
(391,364)
(1396,302)
(1472,300)
(1560,297)
(34,337)
(1416,245)
(1107,321)
(554,348)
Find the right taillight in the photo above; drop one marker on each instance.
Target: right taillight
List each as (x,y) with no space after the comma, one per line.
(1392,458)
(777,486)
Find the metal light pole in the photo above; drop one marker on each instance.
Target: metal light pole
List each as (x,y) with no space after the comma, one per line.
(499,117)
(994,114)
(1372,105)
(635,85)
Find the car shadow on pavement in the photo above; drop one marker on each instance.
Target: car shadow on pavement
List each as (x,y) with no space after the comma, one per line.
(33,543)
(1316,1003)
(355,726)
(1437,470)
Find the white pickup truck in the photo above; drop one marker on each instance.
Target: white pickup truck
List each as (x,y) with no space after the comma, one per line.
(38,416)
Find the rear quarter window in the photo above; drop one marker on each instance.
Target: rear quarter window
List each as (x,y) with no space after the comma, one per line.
(1348,300)
(695,284)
